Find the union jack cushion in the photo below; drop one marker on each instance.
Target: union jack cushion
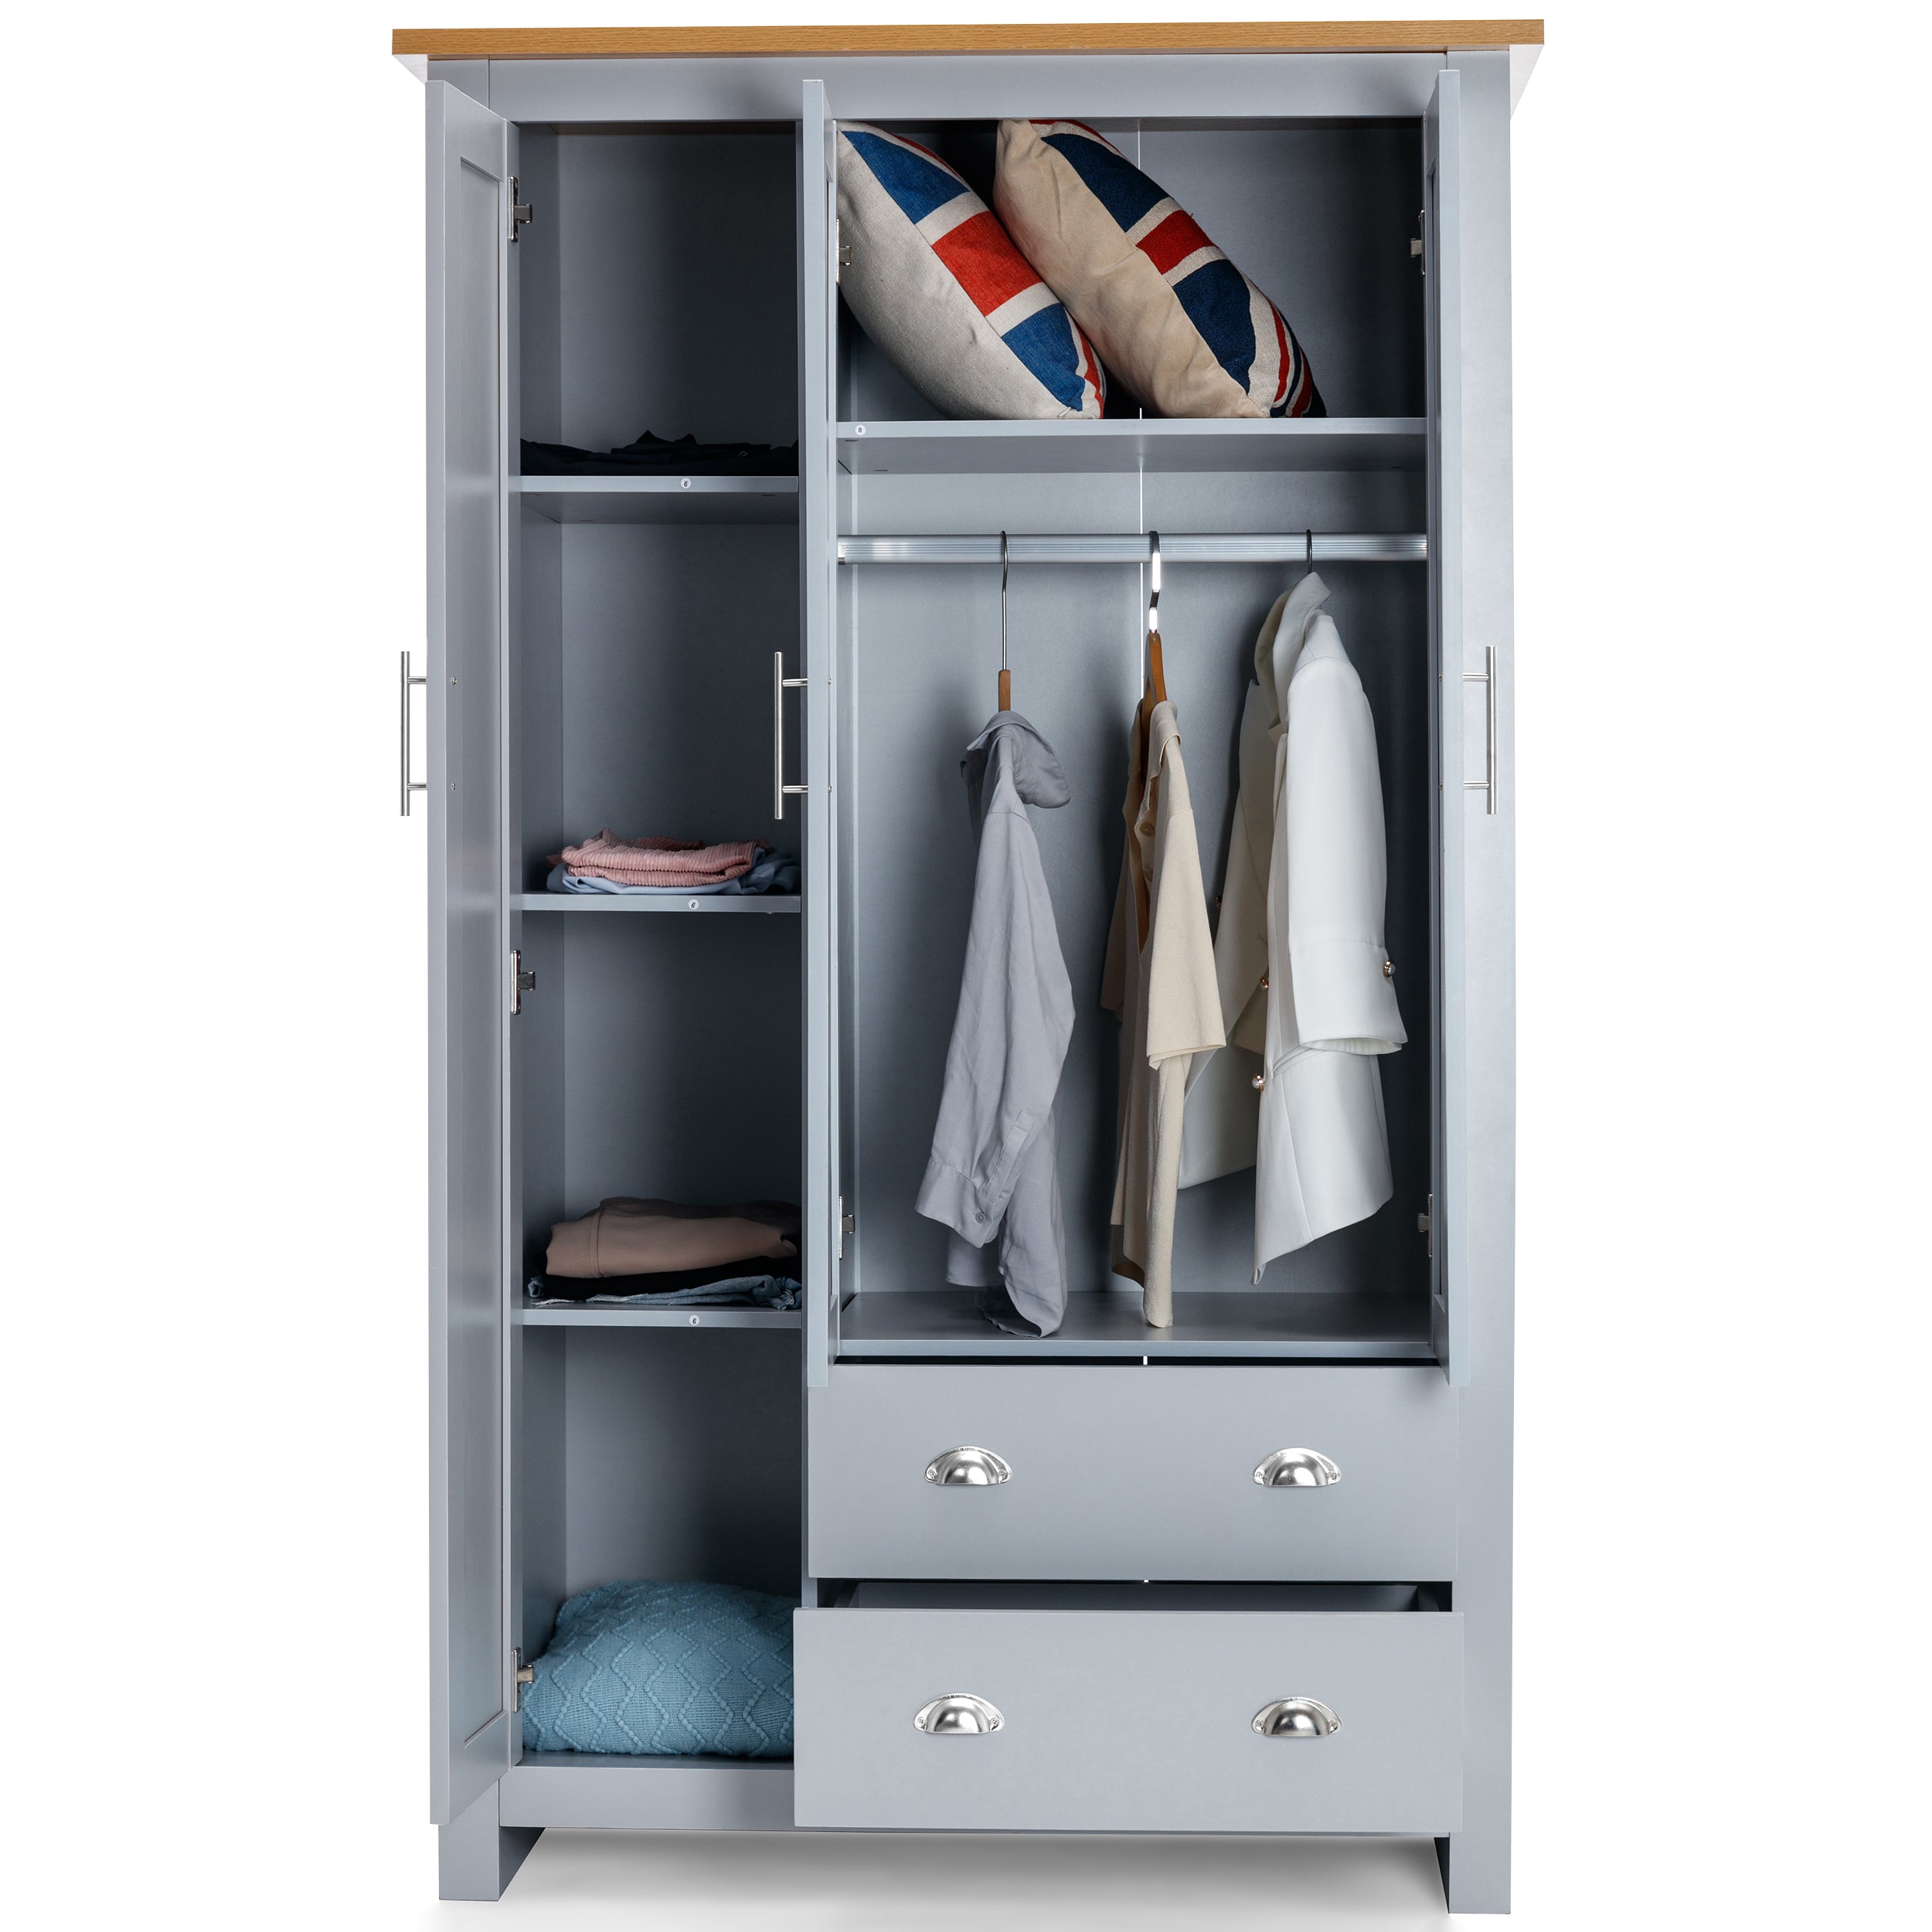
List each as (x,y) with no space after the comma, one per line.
(1175,319)
(936,282)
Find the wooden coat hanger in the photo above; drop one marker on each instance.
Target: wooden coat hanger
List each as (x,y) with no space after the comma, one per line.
(1156,671)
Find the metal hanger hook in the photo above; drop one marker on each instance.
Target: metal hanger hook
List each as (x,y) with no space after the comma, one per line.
(1310,558)
(1154,583)
(1002,599)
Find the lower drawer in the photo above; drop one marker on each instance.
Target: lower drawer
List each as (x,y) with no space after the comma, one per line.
(1113,1717)
(1133,1473)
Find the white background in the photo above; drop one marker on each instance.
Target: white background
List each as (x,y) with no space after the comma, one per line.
(214,1390)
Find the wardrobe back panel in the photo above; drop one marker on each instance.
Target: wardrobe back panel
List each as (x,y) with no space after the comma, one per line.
(681,1457)
(680,1058)
(922,645)
(677,286)
(1318,217)
(662,706)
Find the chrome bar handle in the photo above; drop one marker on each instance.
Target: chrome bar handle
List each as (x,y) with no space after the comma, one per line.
(780,684)
(1487,676)
(408,784)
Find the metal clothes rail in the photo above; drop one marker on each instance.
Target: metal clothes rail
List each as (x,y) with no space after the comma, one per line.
(1329,547)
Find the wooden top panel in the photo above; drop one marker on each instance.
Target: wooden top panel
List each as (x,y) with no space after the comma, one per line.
(1237,36)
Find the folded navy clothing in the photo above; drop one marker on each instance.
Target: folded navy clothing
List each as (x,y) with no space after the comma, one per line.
(772,871)
(659,456)
(726,1287)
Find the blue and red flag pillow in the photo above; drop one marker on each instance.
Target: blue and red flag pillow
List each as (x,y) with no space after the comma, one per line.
(1180,325)
(937,283)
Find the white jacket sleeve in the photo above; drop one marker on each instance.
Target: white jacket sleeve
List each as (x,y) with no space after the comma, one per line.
(1345,995)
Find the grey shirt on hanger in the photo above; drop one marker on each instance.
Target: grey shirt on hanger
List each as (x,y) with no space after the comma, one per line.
(994,1176)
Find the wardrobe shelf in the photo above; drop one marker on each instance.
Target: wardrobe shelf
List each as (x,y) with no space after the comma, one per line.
(670,903)
(1259,1326)
(1128,444)
(661,499)
(609,1316)
(566,1788)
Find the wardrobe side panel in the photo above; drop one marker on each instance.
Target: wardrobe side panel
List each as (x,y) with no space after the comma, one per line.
(1478,1863)
(539,263)
(466,756)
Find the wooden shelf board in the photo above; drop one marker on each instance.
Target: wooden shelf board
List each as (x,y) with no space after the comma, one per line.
(647,1793)
(548,902)
(1237,1325)
(1192,36)
(609,1316)
(1126,445)
(661,499)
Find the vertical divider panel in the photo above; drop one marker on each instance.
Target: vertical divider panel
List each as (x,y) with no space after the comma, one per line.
(818,552)
(468,175)
(1449,1293)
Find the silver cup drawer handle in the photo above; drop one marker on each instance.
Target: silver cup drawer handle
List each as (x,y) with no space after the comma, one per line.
(1297,1469)
(975,1468)
(957,1714)
(1296,1717)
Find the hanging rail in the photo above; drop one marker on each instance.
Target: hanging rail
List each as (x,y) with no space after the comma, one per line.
(1397,548)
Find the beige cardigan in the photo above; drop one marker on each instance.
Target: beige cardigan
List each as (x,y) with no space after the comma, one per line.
(1160,980)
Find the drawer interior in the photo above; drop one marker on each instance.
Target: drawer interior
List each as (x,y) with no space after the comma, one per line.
(1302,1599)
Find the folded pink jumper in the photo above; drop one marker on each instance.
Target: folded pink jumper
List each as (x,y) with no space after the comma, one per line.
(657,861)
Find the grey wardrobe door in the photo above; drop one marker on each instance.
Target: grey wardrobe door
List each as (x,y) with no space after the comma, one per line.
(468,962)
(818,552)
(1449,1310)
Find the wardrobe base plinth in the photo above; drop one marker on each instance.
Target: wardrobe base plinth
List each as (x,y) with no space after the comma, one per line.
(477,1856)
(1471,1883)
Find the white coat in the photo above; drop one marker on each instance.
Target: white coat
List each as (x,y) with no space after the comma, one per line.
(1307,987)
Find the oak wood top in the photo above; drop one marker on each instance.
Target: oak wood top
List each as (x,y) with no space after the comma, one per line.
(1237,37)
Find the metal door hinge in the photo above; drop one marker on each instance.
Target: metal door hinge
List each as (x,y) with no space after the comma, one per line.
(844,256)
(521,982)
(524,1673)
(1426,1224)
(848,1224)
(1415,240)
(519,210)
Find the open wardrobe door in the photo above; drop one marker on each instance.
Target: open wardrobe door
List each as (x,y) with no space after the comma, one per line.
(1448,1242)
(469,961)
(818,604)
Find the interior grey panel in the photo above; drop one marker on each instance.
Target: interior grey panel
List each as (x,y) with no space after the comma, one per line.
(923,646)
(681,1457)
(679,278)
(1318,218)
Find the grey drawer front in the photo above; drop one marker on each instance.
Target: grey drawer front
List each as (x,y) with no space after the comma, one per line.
(1128,1722)
(1133,1473)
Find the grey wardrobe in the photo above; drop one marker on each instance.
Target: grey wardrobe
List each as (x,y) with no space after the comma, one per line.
(1248,1574)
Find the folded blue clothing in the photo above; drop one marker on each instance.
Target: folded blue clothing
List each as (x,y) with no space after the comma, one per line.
(754,1290)
(665,1670)
(774,871)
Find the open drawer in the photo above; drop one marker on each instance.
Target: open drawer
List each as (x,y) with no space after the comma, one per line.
(1130,1708)
(1132,1473)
